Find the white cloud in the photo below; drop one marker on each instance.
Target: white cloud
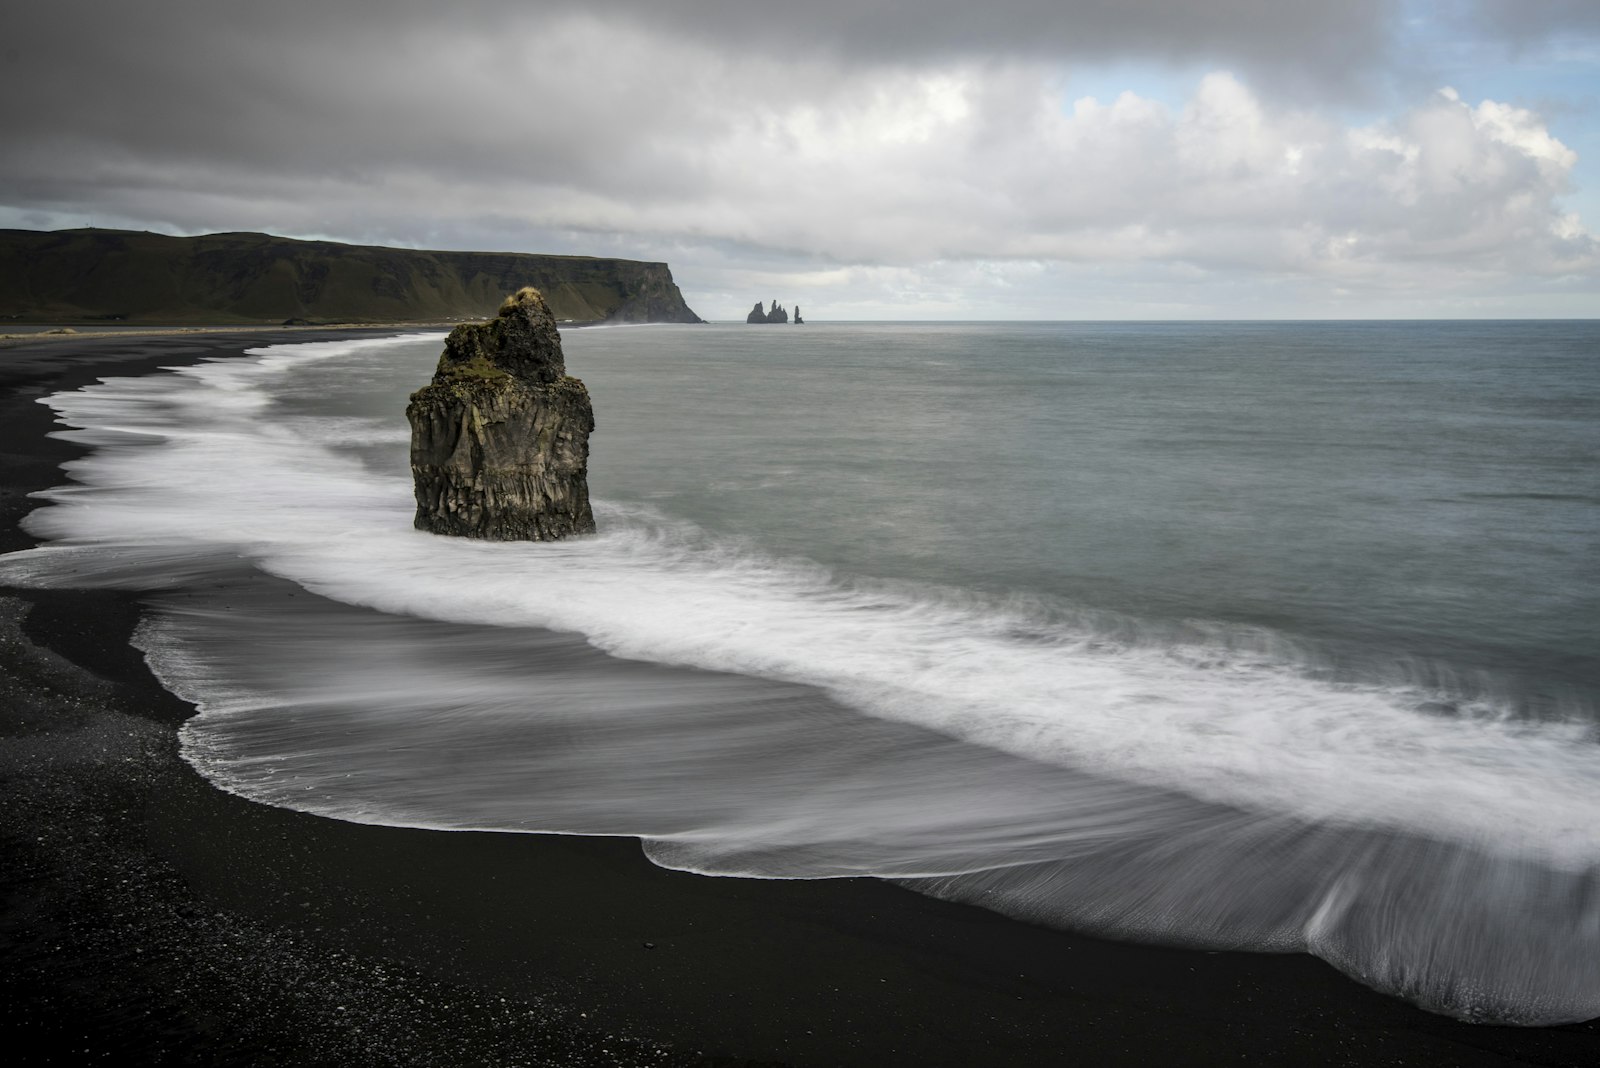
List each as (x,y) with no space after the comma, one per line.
(592,134)
(989,163)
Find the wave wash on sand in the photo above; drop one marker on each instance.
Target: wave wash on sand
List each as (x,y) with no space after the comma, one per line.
(758,716)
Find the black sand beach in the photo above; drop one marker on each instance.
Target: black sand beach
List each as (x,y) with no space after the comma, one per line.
(151,918)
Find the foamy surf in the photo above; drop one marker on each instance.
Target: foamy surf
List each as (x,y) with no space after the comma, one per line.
(1055,763)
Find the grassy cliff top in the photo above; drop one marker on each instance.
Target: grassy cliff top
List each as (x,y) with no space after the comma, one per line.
(124,276)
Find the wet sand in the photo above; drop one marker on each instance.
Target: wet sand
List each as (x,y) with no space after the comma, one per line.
(151,918)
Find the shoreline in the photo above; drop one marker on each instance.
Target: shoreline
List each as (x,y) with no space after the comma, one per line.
(53,333)
(57,332)
(154,917)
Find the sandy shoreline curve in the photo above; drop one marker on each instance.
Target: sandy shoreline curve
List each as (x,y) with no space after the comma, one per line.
(151,918)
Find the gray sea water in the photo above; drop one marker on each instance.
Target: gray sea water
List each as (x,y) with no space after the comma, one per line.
(1270,636)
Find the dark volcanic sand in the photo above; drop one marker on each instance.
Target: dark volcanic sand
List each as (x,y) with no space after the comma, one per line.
(150,918)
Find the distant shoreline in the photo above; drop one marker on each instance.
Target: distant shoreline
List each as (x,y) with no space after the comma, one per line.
(95,332)
(260,281)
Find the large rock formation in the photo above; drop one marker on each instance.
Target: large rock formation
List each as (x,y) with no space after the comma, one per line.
(776,315)
(500,437)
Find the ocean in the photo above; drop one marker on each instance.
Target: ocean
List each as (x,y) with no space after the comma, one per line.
(1266,636)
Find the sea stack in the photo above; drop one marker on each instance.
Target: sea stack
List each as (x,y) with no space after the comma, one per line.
(777,315)
(500,437)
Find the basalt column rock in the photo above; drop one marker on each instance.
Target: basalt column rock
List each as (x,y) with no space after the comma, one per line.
(500,437)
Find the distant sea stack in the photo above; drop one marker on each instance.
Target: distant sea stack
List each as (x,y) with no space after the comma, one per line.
(500,437)
(123,276)
(777,314)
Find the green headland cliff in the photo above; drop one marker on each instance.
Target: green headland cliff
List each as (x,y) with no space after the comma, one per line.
(125,276)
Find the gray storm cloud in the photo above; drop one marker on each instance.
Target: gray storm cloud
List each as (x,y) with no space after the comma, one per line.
(866,136)
(1309,37)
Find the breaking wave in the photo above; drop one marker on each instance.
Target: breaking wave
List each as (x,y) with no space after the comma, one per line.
(748,714)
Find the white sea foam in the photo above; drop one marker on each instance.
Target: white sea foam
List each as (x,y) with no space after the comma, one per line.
(1238,728)
(1192,783)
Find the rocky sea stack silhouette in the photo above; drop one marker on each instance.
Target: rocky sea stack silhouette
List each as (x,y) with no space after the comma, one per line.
(500,437)
(778,314)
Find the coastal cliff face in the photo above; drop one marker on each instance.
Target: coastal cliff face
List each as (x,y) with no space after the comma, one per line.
(72,276)
(500,437)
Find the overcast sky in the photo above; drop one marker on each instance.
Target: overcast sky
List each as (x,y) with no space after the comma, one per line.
(1033,159)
